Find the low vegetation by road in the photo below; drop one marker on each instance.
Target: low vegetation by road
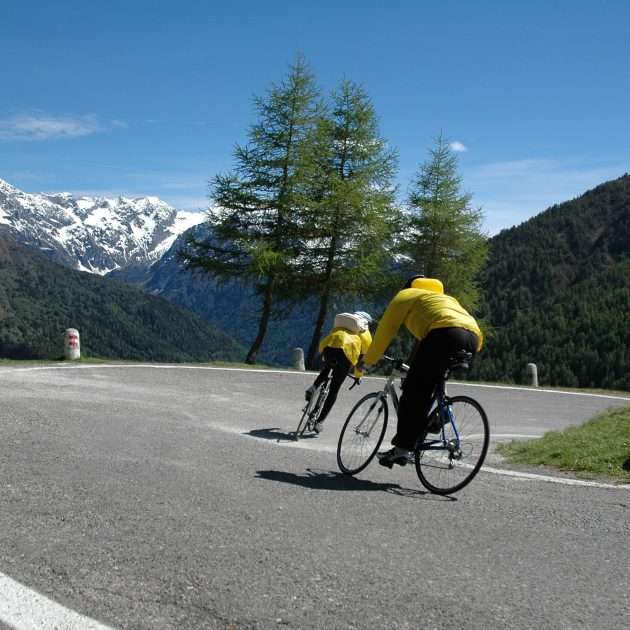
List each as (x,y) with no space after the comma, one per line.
(599,447)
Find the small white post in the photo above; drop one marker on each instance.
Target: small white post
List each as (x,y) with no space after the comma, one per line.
(532,373)
(72,344)
(298,359)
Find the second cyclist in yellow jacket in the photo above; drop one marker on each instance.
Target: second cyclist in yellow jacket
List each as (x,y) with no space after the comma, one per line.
(341,351)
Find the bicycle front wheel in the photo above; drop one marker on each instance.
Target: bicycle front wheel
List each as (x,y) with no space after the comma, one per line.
(447,462)
(362,433)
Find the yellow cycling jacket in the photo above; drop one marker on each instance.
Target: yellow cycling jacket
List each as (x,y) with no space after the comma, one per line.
(353,345)
(420,311)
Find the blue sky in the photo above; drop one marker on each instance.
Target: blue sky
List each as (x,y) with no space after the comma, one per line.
(142,97)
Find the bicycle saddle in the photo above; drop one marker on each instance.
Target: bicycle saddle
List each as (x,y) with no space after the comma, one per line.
(460,361)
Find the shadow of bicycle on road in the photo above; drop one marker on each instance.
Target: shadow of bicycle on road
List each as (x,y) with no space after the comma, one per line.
(331,480)
(275,434)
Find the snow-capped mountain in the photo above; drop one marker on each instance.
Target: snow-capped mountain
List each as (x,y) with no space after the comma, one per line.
(94,234)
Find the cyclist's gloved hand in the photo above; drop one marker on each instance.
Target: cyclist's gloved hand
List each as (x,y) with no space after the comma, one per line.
(357,372)
(359,369)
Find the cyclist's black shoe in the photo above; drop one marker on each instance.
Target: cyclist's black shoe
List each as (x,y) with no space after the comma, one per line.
(318,427)
(395,455)
(308,394)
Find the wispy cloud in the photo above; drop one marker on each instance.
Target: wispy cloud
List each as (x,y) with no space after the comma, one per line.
(458,147)
(42,127)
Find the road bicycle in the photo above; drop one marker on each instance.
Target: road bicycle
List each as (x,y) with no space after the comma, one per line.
(454,442)
(313,407)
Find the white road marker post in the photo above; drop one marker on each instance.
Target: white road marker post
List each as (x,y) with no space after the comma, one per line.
(72,344)
(532,373)
(298,360)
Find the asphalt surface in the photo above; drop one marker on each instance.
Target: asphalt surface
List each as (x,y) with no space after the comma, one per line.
(173,498)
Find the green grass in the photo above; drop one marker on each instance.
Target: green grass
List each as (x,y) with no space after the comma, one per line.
(599,447)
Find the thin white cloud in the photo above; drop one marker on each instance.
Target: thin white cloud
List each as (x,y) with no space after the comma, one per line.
(41,127)
(458,147)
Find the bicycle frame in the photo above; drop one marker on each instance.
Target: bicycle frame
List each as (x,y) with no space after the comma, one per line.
(388,390)
(446,416)
(441,404)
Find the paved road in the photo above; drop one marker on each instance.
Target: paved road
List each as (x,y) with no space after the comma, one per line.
(142,497)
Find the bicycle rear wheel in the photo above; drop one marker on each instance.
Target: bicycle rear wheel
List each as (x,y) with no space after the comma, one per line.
(362,433)
(447,462)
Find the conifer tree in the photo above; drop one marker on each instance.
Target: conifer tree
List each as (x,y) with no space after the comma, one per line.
(255,225)
(348,206)
(443,236)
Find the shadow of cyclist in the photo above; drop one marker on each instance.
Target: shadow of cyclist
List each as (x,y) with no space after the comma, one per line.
(331,480)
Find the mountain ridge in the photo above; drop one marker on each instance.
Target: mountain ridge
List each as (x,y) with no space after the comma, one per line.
(93,234)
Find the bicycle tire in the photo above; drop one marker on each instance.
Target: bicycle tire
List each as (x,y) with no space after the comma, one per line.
(322,396)
(434,465)
(355,450)
(306,413)
(301,427)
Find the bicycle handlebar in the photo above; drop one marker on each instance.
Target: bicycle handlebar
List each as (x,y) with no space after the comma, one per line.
(397,364)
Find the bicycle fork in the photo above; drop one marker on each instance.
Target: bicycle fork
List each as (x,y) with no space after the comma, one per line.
(365,431)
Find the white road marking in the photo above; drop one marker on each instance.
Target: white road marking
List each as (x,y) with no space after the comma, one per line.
(533,390)
(514,436)
(312,444)
(549,478)
(24,609)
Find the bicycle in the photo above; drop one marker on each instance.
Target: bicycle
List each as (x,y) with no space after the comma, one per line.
(444,463)
(313,407)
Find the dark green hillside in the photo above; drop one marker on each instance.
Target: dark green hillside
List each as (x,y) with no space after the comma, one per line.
(557,292)
(39,300)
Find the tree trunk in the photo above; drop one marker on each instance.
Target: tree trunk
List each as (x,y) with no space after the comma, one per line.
(323,301)
(264,320)
(317,332)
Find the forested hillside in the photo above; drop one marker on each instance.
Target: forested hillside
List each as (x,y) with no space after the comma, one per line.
(557,293)
(39,300)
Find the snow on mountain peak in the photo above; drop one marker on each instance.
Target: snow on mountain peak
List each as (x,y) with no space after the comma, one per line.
(6,188)
(94,234)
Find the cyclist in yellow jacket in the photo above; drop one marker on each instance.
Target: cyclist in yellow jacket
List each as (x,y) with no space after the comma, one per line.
(442,327)
(341,351)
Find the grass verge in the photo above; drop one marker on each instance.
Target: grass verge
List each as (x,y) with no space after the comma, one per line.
(599,447)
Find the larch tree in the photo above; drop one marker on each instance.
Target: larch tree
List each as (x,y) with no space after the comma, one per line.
(349,205)
(443,237)
(255,222)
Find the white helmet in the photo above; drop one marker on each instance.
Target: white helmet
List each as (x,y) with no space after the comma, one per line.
(366,316)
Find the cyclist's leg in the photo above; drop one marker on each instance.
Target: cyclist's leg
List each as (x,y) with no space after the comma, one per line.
(427,369)
(321,378)
(340,370)
(324,371)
